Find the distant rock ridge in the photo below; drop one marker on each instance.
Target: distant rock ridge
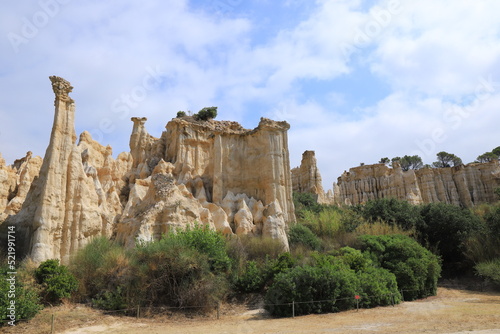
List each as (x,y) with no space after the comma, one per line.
(212,173)
(464,185)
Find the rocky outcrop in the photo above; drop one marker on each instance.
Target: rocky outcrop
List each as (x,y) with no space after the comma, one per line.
(74,198)
(464,185)
(307,179)
(212,173)
(213,179)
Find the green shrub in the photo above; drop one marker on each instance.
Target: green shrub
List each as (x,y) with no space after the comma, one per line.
(306,201)
(175,274)
(208,242)
(392,211)
(27,301)
(111,299)
(489,270)
(378,287)
(301,235)
(181,114)
(332,288)
(206,113)
(57,281)
(100,267)
(252,279)
(446,228)
(416,269)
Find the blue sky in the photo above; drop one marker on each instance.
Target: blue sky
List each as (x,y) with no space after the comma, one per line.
(357,80)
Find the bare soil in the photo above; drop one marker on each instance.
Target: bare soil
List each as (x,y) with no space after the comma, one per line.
(452,311)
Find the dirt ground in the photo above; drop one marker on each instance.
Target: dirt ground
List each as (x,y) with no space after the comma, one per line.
(452,311)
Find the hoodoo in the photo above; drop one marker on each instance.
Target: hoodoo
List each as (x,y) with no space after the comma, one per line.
(212,173)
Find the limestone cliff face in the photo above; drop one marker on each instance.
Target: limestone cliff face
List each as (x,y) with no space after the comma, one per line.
(220,175)
(307,179)
(212,173)
(464,185)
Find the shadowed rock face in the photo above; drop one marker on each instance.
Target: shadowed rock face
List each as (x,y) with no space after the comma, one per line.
(198,172)
(465,185)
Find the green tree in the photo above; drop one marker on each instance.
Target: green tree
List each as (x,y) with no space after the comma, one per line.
(487,157)
(181,114)
(446,229)
(384,161)
(496,151)
(445,159)
(206,113)
(410,162)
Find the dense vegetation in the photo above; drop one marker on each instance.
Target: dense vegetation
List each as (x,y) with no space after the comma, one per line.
(383,252)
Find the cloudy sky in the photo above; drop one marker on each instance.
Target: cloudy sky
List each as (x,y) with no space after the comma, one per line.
(357,80)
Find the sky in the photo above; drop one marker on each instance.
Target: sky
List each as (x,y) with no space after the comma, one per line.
(356,80)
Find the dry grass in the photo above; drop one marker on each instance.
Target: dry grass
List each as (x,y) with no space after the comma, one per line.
(452,311)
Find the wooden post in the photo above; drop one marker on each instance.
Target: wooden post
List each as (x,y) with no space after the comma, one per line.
(52,324)
(293,309)
(357,305)
(218,310)
(138,311)
(402,296)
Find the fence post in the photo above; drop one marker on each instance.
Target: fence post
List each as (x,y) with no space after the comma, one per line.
(138,311)
(52,324)
(293,309)
(218,310)
(392,298)
(402,296)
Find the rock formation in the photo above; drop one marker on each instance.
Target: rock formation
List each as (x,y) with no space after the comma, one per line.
(213,173)
(307,179)
(465,185)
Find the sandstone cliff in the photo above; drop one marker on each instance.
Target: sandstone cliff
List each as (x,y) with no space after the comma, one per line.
(464,185)
(307,179)
(213,173)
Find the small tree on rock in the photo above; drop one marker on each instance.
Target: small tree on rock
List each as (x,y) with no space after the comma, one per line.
(446,160)
(206,113)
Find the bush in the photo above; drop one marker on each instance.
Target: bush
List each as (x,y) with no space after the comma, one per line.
(208,242)
(301,235)
(489,270)
(101,267)
(378,287)
(175,274)
(446,228)
(331,287)
(306,201)
(57,281)
(26,298)
(181,114)
(252,280)
(206,113)
(392,211)
(416,269)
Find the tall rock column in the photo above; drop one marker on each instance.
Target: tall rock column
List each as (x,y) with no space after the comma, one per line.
(307,179)
(62,210)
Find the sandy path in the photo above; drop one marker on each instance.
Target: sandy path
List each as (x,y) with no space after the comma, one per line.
(452,311)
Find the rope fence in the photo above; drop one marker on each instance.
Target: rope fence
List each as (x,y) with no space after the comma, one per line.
(139,310)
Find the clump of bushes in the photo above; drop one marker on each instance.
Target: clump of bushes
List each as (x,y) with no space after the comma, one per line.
(416,268)
(56,280)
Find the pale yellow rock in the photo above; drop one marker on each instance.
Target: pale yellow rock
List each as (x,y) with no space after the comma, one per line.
(307,178)
(274,225)
(464,185)
(243,219)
